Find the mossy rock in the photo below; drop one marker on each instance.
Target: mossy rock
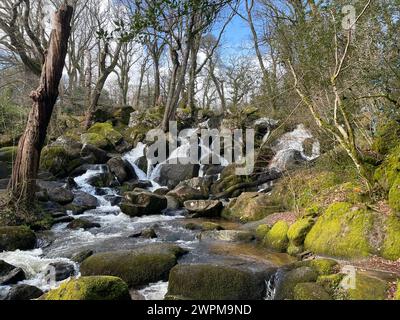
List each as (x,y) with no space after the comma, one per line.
(310,291)
(96,140)
(297,231)
(216,282)
(7,154)
(276,238)
(391,245)
(290,278)
(387,136)
(262,231)
(136,267)
(295,250)
(397,293)
(251,206)
(387,173)
(322,266)
(16,238)
(135,134)
(209,226)
(342,231)
(368,288)
(57,161)
(91,288)
(394,196)
(107,131)
(330,282)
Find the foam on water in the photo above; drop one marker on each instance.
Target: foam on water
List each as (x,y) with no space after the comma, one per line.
(155,291)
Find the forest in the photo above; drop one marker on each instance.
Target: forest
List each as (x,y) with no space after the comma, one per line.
(199,150)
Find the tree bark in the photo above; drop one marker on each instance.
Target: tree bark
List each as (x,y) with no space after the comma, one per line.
(26,165)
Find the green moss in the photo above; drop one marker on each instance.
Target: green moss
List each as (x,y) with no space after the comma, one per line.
(368,288)
(310,291)
(14,238)
(330,282)
(55,159)
(208,226)
(397,293)
(391,245)
(107,131)
(277,238)
(289,280)
(394,195)
(323,266)
(135,134)
(262,231)
(7,154)
(342,231)
(294,250)
(298,230)
(95,139)
(91,288)
(386,174)
(387,136)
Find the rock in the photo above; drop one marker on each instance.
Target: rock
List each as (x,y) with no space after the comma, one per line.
(7,154)
(118,168)
(297,231)
(4,183)
(82,202)
(276,238)
(172,174)
(132,185)
(62,270)
(60,161)
(98,155)
(368,288)
(204,208)
(227,235)
(60,195)
(322,266)
(209,226)
(228,180)
(81,256)
(262,230)
(24,292)
(342,231)
(216,282)
(185,193)
(251,206)
(310,291)
(143,203)
(288,281)
(106,131)
(42,196)
(10,274)
(5,170)
(148,233)
(14,238)
(82,224)
(91,288)
(102,180)
(137,267)
(64,219)
(330,282)
(123,146)
(95,140)
(114,200)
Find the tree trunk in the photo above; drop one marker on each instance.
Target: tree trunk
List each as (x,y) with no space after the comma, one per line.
(26,165)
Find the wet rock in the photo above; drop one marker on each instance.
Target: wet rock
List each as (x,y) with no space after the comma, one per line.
(227,235)
(123,146)
(162,191)
(5,171)
(81,256)
(24,292)
(14,238)
(82,224)
(82,202)
(211,170)
(80,170)
(132,185)
(137,267)
(184,193)
(204,208)
(209,226)
(148,233)
(91,288)
(10,274)
(102,180)
(216,282)
(63,219)
(60,195)
(42,196)
(172,174)
(62,270)
(99,155)
(142,203)
(118,168)
(4,183)
(114,200)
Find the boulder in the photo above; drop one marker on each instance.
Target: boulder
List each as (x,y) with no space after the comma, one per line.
(251,206)
(310,291)
(204,208)
(4,184)
(142,203)
(118,168)
(137,267)
(60,195)
(82,202)
(5,170)
(106,130)
(184,193)
(227,235)
(102,180)
(368,287)
(148,233)
(209,226)
(79,257)
(62,270)
(16,238)
(216,282)
(7,154)
(276,238)
(297,231)
(24,292)
(91,288)
(10,274)
(172,174)
(59,160)
(94,155)
(82,224)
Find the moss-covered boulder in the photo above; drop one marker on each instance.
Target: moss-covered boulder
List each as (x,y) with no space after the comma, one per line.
(262,230)
(91,288)
(290,278)
(387,136)
(216,282)
(136,267)
(251,206)
(277,238)
(368,288)
(394,196)
(143,203)
(227,235)
(204,208)
(387,173)
(16,238)
(95,139)
(397,293)
(297,231)
(7,154)
(82,224)
(58,161)
(343,230)
(107,131)
(330,282)
(209,226)
(310,291)
(391,244)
